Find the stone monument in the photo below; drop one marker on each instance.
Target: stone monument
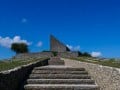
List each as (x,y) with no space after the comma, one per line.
(57,46)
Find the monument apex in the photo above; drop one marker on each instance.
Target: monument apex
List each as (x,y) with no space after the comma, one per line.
(57,46)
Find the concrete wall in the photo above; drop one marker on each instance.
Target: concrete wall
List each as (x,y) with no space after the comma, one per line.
(14,79)
(33,55)
(107,78)
(56,45)
(26,56)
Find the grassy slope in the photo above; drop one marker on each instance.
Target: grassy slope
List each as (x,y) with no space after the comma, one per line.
(6,65)
(111,63)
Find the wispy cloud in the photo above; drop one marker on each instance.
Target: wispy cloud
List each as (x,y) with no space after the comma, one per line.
(74,48)
(39,44)
(24,20)
(96,54)
(7,41)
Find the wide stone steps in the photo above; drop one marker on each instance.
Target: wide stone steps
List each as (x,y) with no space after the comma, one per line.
(60,81)
(60,78)
(59,68)
(58,72)
(55,61)
(60,87)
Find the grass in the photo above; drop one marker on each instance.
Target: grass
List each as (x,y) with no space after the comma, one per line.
(109,62)
(10,64)
(6,65)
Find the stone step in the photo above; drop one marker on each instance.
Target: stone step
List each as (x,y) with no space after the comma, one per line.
(58,76)
(55,62)
(59,68)
(56,58)
(60,81)
(60,87)
(58,72)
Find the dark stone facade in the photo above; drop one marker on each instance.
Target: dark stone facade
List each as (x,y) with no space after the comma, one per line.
(57,46)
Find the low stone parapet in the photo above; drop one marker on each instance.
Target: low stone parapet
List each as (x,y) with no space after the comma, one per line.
(108,78)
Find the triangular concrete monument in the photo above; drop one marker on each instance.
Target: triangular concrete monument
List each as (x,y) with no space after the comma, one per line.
(57,46)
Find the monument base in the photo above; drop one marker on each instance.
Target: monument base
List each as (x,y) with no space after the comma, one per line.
(55,61)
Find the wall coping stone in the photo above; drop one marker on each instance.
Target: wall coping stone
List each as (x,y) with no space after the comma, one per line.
(101,66)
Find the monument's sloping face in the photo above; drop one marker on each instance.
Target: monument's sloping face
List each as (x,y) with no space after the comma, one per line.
(56,45)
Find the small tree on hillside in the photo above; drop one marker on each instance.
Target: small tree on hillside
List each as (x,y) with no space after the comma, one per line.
(19,48)
(86,54)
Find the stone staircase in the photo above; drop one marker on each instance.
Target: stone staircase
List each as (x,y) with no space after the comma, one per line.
(55,61)
(60,77)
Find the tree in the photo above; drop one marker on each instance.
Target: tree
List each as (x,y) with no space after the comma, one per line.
(19,48)
(86,54)
(79,53)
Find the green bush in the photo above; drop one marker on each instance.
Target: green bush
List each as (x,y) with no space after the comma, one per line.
(55,53)
(86,54)
(19,48)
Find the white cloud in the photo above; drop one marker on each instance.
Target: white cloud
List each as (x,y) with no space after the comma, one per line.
(74,48)
(39,44)
(7,41)
(96,54)
(24,20)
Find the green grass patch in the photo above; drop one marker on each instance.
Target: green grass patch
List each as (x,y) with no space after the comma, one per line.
(111,62)
(6,65)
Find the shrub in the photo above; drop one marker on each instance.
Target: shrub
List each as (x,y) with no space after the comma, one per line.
(19,48)
(86,54)
(55,53)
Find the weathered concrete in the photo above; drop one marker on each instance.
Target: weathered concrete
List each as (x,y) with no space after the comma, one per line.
(57,46)
(107,78)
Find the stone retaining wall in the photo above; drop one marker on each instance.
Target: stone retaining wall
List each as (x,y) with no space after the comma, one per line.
(14,78)
(107,78)
(34,55)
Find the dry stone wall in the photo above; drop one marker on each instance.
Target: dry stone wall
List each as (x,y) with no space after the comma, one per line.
(14,79)
(108,78)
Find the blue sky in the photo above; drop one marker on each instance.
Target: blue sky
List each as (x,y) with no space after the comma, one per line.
(88,25)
